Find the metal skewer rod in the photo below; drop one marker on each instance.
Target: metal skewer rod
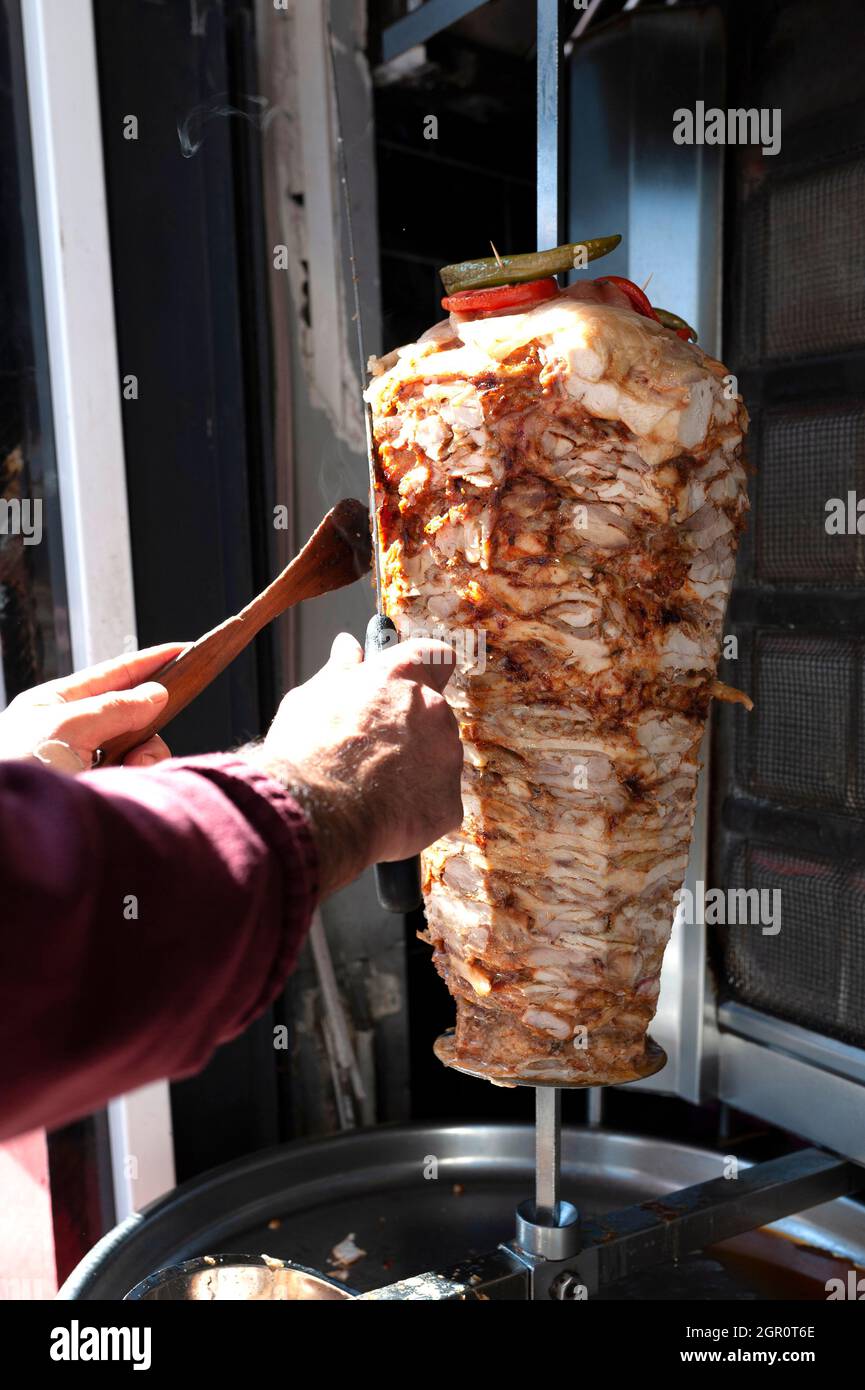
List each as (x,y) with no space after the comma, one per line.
(548,1153)
(550,220)
(595,1112)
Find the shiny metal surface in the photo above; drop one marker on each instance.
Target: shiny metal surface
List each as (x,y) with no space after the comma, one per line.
(547,1239)
(548,1153)
(826,1053)
(793,1094)
(549,126)
(373,1183)
(237,1279)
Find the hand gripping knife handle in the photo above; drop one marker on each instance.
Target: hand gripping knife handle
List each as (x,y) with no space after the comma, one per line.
(397,883)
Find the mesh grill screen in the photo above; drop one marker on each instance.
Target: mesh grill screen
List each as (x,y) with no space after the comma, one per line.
(816,303)
(802,744)
(789,779)
(813,970)
(807,457)
(798,299)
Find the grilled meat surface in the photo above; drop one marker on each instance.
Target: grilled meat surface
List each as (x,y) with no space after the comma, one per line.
(560,493)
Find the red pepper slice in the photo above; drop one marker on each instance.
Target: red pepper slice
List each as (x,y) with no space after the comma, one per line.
(640,301)
(502,297)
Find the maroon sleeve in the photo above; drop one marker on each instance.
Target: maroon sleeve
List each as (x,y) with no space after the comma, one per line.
(145,918)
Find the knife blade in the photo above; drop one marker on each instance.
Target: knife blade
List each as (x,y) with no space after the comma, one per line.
(398,882)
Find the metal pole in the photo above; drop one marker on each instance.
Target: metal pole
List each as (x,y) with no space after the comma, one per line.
(548,1154)
(550,182)
(595,1108)
(548,1100)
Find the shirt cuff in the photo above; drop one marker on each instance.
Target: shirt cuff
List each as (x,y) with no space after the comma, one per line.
(284,825)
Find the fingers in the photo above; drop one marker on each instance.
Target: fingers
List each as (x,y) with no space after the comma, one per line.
(120,673)
(92,721)
(422,659)
(346,650)
(155,750)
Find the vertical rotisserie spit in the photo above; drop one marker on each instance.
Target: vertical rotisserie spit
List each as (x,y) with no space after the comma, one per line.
(566,484)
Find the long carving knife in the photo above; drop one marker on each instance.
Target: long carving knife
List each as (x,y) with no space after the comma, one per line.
(397,883)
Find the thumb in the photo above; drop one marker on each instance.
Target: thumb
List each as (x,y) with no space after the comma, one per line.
(346,651)
(425,660)
(99,717)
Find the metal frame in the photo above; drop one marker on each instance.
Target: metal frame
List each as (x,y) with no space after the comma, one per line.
(424,23)
(794,1095)
(801,1081)
(814,1048)
(63,95)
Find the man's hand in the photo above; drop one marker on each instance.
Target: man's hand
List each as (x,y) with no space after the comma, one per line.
(63,722)
(372,751)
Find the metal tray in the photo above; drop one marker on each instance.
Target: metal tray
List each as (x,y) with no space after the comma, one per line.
(372,1183)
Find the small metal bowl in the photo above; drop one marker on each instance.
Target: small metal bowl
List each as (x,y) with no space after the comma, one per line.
(238,1278)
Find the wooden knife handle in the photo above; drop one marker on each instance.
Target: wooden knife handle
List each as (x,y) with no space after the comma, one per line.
(188,674)
(336,554)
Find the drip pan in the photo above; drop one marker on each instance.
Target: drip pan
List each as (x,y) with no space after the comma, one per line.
(418,1198)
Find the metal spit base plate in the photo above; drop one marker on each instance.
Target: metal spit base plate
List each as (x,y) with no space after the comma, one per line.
(654,1059)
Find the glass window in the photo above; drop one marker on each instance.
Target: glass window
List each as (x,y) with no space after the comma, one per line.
(34,632)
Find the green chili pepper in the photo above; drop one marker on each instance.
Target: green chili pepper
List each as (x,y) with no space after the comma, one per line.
(512,270)
(678,325)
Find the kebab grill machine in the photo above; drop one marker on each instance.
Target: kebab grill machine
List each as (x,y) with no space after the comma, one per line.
(662,1247)
(649,1206)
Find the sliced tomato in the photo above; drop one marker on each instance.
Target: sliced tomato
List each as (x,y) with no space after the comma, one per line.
(641,302)
(501,297)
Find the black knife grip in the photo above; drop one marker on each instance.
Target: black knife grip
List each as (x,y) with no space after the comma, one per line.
(397,883)
(381,633)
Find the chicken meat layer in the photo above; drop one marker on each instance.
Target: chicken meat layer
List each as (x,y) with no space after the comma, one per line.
(560,493)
